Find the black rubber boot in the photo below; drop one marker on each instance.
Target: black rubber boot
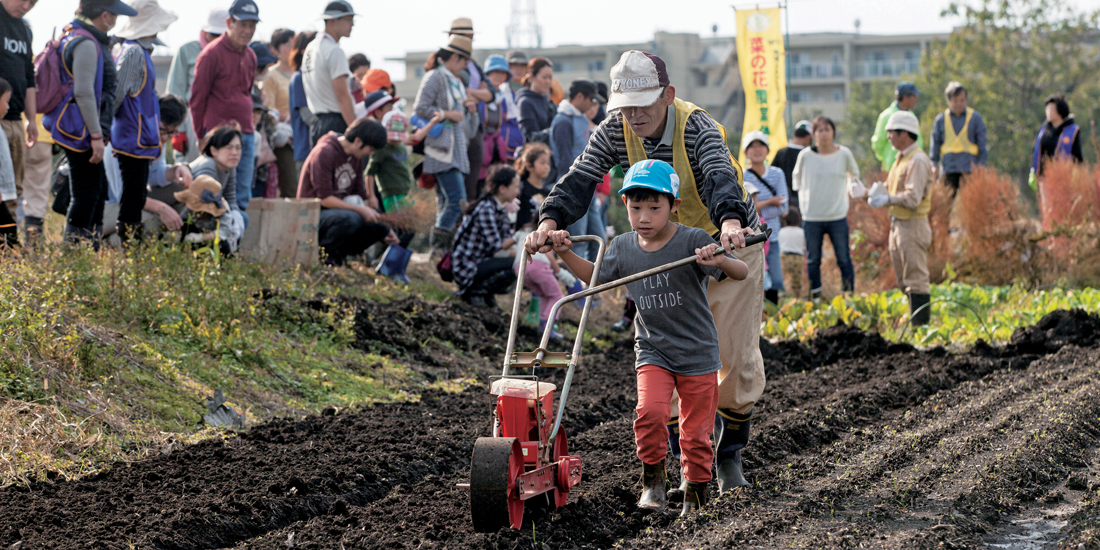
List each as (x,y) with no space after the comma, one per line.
(772,296)
(916,302)
(654,481)
(32,229)
(677,494)
(731,434)
(730,475)
(695,497)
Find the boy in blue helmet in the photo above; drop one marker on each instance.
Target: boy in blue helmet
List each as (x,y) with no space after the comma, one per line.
(675,338)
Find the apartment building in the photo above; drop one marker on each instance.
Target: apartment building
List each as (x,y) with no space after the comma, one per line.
(823,68)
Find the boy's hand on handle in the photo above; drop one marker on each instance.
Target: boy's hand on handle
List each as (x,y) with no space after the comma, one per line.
(560,241)
(705,256)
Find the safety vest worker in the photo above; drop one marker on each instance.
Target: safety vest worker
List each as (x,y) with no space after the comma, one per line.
(960,145)
(909,196)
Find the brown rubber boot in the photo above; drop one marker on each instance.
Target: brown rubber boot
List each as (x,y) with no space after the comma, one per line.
(654,481)
(695,497)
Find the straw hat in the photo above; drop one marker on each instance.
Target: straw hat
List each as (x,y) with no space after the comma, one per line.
(204,195)
(151,19)
(462,26)
(460,44)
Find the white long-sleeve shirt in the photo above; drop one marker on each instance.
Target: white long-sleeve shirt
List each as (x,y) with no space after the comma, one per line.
(822,183)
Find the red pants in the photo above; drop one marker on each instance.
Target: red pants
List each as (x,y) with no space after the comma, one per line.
(698,402)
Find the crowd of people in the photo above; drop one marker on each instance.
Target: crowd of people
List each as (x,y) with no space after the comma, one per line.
(516,160)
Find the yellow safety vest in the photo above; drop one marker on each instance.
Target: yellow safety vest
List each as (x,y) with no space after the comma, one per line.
(692,212)
(958,143)
(893,181)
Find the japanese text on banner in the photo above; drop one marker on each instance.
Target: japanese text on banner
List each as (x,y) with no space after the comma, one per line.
(762,58)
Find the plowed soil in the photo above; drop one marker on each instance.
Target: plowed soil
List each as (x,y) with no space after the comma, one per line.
(856,443)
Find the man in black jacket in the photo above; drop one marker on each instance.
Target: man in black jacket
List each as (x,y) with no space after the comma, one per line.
(787,156)
(17,67)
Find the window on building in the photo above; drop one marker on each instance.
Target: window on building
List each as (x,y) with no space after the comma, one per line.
(701,79)
(878,55)
(419,71)
(595,65)
(799,58)
(563,66)
(912,55)
(836,58)
(801,97)
(838,96)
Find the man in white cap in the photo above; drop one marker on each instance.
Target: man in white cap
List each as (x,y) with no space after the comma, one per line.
(182,73)
(909,196)
(647,121)
(325,73)
(135,134)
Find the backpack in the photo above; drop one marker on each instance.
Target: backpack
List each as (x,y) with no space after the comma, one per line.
(48,65)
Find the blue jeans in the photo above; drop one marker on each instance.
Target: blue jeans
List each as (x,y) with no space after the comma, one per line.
(246,170)
(774,279)
(838,236)
(450,190)
(591,224)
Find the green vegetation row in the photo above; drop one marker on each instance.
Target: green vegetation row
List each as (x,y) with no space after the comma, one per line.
(962,313)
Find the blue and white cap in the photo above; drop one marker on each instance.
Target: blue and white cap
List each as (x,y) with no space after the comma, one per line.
(657,175)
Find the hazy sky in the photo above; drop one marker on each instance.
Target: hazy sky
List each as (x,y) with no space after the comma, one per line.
(389,29)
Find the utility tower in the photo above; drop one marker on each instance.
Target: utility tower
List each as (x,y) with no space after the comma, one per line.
(523,30)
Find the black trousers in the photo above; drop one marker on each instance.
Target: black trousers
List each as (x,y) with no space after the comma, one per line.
(135,181)
(325,123)
(344,233)
(474,152)
(88,189)
(9,233)
(494,276)
(952,182)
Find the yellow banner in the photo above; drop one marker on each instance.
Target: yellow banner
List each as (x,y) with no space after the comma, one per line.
(763,61)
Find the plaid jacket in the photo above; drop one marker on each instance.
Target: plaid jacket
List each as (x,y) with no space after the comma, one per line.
(478,238)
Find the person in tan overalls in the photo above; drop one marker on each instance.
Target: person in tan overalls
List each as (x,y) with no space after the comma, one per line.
(646,120)
(909,196)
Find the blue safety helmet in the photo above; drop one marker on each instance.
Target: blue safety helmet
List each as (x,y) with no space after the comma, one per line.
(497,63)
(657,175)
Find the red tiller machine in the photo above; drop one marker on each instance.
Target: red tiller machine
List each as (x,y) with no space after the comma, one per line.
(527,456)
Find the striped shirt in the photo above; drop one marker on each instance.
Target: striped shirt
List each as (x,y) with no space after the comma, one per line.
(715,176)
(131,70)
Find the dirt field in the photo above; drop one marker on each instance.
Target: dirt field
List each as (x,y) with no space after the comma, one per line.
(857,443)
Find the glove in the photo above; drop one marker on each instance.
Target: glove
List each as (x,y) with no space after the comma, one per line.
(856,190)
(566,278)
(878,201)
(877,188)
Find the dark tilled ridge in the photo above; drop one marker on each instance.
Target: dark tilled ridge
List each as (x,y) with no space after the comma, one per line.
(385,476)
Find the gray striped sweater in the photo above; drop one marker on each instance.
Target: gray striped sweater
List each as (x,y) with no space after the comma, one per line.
(715,176)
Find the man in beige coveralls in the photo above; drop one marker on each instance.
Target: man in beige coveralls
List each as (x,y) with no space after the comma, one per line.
(909,197)
(646,120)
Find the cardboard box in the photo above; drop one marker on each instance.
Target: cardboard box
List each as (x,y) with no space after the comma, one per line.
(282,231)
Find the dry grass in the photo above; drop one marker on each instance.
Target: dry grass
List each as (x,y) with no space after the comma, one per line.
(1070,194)
(40,442)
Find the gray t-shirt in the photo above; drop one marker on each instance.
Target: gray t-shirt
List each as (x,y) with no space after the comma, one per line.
(674,328)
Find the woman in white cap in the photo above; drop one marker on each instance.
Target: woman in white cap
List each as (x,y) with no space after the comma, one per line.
(135,134)
(821,178)
(768,187)
(182,72)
